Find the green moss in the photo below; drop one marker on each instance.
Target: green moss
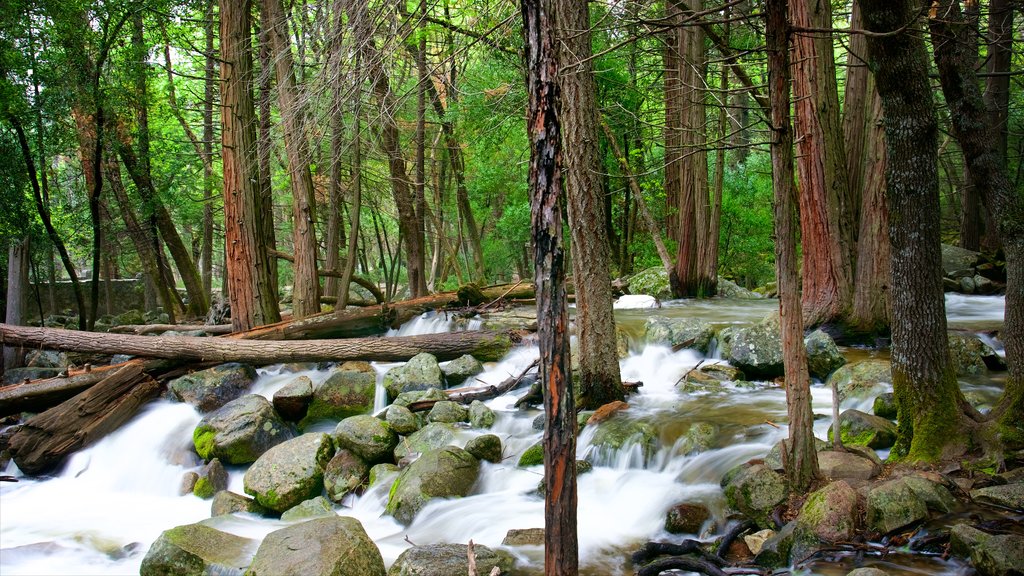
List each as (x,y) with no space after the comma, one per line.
(927,433)
(494,349)
(533,456)
(204,488)
(203,438)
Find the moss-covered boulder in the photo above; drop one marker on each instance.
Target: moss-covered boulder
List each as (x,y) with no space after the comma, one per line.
(652,281)
(461,369)
(480,415)
(679,332)
(330,546)
(622,431)
(861,379)
(290,472)
(294,398)
(775,550)
(372,439)
(686,518)
(1007,496)
(863,429)
(968,354)
(847,465)
(485,447)
(449,560)
(935,496)
(211,479)
(346,392)
(240,431)
(831,513)
(730,289)
(991,555)
(422,372)
(823,356)
(382,472)
(431,437)
(225,502)
(317,507)
(448,412)
(893,505)
(884,406)
(699,437)
(709,378)
(756,349)
(214,387)
(532,456)
(755,491)
(345,473)
(402,420)
(523,537)
(444,473)
(408,398)
(197,550)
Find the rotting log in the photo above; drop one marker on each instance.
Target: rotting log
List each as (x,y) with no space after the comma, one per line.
(41,444)
(482,344)
(212,329)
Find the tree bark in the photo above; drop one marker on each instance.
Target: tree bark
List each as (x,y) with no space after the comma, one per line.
(799,457)
(17,296)
(209,88)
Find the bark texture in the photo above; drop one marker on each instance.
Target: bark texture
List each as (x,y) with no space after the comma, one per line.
(17,296)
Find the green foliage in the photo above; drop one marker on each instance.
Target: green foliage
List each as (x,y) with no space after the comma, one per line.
(746,244)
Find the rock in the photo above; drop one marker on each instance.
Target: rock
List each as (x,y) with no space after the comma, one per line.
(635,302)
(486,447)
(679,332)
(211,479)
(652,281)
(830,513)
(461,369)
(533,456)
(401,420)
(444,473)
(197,549)
(345,393)
(1008,496)
(240,431)
(757,349)
(884,406)
(867,572)
(756,540)
(290,472)
(968,354)
(367,437)
(730,289)
(991,555)
(431,437)
(983,285)
(935,496)
(214,387)
(621,430)
(686,518)
(893,505)
(317,507)
(188,483)
(480,416)
(966,285)
(709,378)
(524,537)
(19,375)
(294,398)
(860,379)
(448,412)
(345,473)
(776,549)
(861,428)
(846,466)
(773,459)
(407,398)
(331,546)
(420,373)
(381,471)
(756,491)
(823,356)
(225,502)
(700,437)
(130,318)
(955,258)
(448,560)
(46,359)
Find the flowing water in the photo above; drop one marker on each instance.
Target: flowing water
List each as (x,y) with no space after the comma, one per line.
(100,514)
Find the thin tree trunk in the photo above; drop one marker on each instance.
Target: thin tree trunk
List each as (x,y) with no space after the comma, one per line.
(265,149)
(17,296)
(356,204)
(209,91)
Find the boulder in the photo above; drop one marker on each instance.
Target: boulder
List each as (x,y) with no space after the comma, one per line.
(422,372)
(955,259)
(991,555)
(884,406)
(524,537)
(195,550)
(294,398)
(679,332)
(709,378)
(225,502)
(370,438)
(652,281)
(330,546)
(240,431)
(290,472)
(532,456)
(686,518)
(480,415)
(861,379)
(730,289)
(317,507)
(893,505)
(486,447)
(188,482)
(620,430)
(700,437)
(863,429)
(755,349)
(407,398)
(830,514)
(431,437)
(935,496)
(776,549)
(214,387)
(211,479)
(401,420)
(444,473)
(823,356)
(1008,496)
(345,473)
(345,393)
(867,572)
(381,471)
(968,354)
(46,359)
(848,465)
(755,491)
(461,369)
(448,412)
(449,560)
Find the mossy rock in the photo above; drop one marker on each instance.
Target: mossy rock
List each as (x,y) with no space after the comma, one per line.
(225,502)
(240,431)
(893,505)
(991,555)
(830,513)
(756,491)
(480,415)
(293,399)
(652,281)
(686,518)
(422,372)
(485,447)
(372,439)
(675,332)
(214,387)
(461,369)
(345,393)
(402,420)
(533,456)
(861,379)
(197,550)
(344,474)
(884,406)
(211,479)
(862,429)
(449,560)
(620,431)
(448,412)
(431,437)
(317,507)
(290,472)
(968,354)
(823,356)
(445,473)
(335,546)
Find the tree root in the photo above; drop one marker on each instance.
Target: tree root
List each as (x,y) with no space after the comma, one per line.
(731,534)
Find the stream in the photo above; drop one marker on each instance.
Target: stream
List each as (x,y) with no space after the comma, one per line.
(100,514)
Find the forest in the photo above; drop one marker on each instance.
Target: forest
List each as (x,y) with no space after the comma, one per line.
(298,171)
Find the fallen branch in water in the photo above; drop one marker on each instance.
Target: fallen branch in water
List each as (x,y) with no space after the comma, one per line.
(468,395)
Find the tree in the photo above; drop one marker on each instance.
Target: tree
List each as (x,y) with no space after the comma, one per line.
(17,296)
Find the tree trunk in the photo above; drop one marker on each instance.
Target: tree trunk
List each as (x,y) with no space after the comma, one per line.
(997,83)
(17,296)
(250,283)
(209,87)
(545,182)
(799,457)
(306,284)
(924,383)
(673,134)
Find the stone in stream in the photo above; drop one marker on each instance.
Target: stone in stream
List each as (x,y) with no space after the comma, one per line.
(348,391)
(409,397)
(444,473)
(211,479)
(290,472)
(381,472)
(198,549)
(449,560)
(240,431)
(867,572)
(313,508)
(422,372)
(893,505)
(293,399)
(861,379)
(884,406)
(461,369)
(1008,496)
(823,356)
(755,491)
(620,431)
(448,412)
(329,546)
(991,555)
(485,447)
(532,456)
(968,354)
(369,438)
(863,429)
(686,518)
(345,473)
(935,496)
(683,332)
(830,514)
(431,437)
(524,537)
(225,502)
(480,415)
(402,420)
(214,387)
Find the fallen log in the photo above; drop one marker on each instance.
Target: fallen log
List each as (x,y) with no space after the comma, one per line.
(140,329)
(482,344)
(42,443)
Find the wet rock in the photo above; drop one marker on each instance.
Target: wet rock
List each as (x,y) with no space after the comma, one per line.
(533,456)
(935,496)
(991,555)
(290,472)
(401,420)
(679,332)
(756,491)
(773,459)
(524,537)
(730,289)
(757,349)
(411,396)
(330,546)
(422,372)
(846,466)
(620,431)
(345,473)
(318,507)
(188,482)
(444,473)
(294,398)
(293,367)
(225,502)
(240,431)
(480,416)
(652,281)
(893,505)
(486,447)
(861,379)
(214,387)
(211,479)
(968,354)
(686,518)
(449,560)
(1008,496)
(863,429)
(776,549)
(700,437)
(372,439)
(382,471)
(884,406)
(448,412)
(197,549)
(431,437)
(823,356)
(345,393)
(830,514)
(867,572)
(461,369)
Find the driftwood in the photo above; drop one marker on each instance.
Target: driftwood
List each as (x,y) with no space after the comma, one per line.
(468,395)
(41,444)
(212,329)
(484,345)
